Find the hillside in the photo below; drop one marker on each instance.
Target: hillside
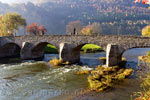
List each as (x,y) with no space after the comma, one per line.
(115,16)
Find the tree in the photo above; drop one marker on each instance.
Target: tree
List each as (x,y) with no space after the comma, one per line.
(86,31)
(92,29)
(10,23)
(34,29)
(96,28)
(74,25)
(42,30)
(146,31)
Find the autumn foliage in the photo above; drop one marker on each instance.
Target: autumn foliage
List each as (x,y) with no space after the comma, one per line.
(10,23)
(86,31)
(35,29)
(146,31)
(91,29)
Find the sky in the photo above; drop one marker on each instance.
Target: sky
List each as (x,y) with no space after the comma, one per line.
(14,1)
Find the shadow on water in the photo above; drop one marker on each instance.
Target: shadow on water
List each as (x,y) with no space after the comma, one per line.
(10,60)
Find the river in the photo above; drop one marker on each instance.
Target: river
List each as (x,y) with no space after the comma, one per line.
(38,80)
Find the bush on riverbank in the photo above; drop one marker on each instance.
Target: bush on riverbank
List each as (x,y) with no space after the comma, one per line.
(50,49)
(58,62)
(55,62)
(145,94)
(91,48)
(104,77)
(145,58)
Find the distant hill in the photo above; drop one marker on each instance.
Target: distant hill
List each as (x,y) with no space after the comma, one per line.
(115,16)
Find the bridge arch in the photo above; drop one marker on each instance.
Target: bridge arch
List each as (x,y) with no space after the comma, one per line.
(40,46)
(133,47)
(71,53)
(78,47)
(10,49)
(38,49)
(122,50)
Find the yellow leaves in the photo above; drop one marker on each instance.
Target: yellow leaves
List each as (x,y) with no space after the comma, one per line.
(145,59)
(86,31)
(55,61)
(146,31)
(146,82)
(83,72)
(102,78)
(67,63)
(90,29)
(10,23)
(145,94)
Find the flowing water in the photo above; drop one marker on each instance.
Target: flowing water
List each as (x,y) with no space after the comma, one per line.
(31,80)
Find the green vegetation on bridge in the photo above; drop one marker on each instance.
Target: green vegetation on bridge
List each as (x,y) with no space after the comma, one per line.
(86,48)
(50,49)
(91,48)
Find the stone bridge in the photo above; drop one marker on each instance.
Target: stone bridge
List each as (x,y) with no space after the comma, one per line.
(32,47)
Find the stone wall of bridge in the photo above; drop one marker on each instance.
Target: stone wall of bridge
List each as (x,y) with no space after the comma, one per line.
(32,47)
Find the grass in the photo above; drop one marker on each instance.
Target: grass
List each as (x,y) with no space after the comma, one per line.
(91,48)
(50,49)
(86,49)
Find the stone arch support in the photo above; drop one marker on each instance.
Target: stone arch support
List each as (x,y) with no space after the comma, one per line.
(113,55)
(68,53)
(26,51)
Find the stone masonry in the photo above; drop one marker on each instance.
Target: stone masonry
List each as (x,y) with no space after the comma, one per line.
(32,47)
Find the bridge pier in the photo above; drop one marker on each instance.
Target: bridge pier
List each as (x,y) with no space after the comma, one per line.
(28,53)
(113,55)
(68,53)
(25,53)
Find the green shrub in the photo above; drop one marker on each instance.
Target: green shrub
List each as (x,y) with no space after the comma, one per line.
(148,53)
(145,93)
(50,49)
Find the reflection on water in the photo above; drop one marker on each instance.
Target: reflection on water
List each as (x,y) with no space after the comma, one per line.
(91,59)
(132,54)
(41,81)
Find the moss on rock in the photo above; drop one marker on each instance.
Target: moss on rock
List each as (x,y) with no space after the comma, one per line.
(58,62)
(104,77)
